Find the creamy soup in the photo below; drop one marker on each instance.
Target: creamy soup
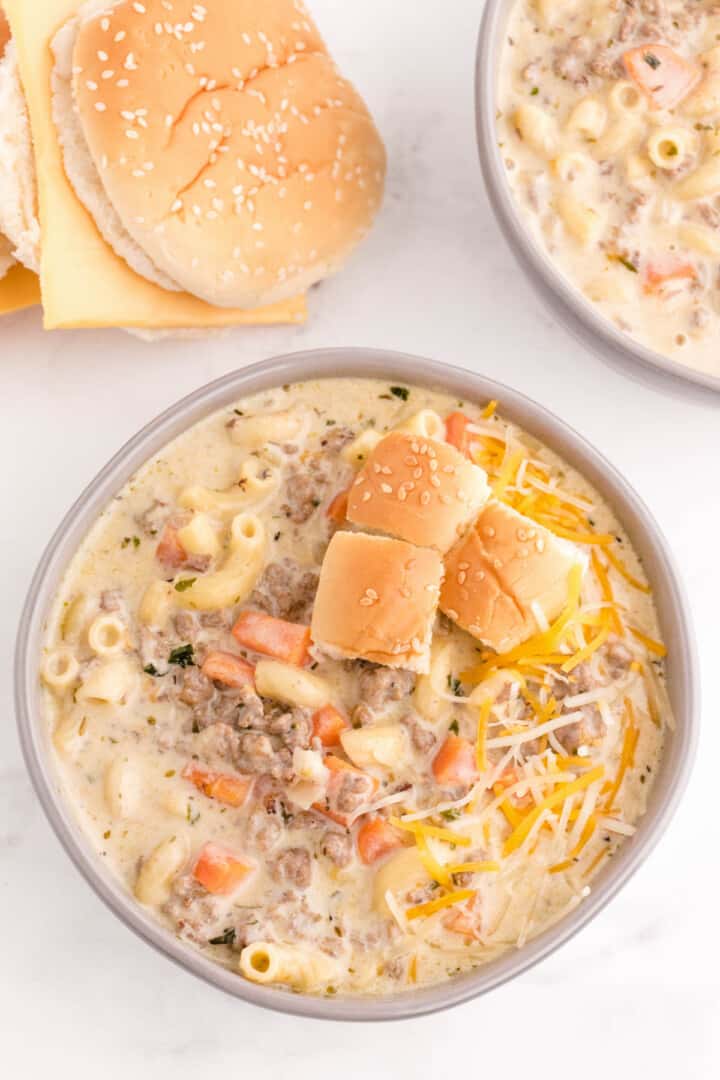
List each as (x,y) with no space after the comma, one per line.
(338,825)
(609,127)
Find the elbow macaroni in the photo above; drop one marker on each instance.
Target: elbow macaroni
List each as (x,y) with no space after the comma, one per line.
(267,962)
(107,636)
(257,481)
(290,685)
(112,681)
(158,870)
(278,427)
(199,536)
(379,744)
(60,669)
(234,582)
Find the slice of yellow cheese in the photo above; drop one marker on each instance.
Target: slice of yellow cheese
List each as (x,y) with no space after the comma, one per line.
(19,289)
(84,283)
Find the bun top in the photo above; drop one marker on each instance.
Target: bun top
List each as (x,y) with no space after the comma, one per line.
(376,600)
(418,489)
(505,572)
(232,150)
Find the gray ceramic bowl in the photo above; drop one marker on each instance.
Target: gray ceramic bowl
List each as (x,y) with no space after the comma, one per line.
(672,610)
(567,304)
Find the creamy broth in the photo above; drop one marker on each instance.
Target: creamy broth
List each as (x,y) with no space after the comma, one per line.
(609,128)
(159,760)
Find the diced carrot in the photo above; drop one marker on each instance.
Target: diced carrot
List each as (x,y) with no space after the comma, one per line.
(456,432)
(170,551)
(666,268)
(219,870)
(228,789)
(273,637)
(228,669)
(375,838)
(328,724)
(454,762)
(460,920)
(337,510)
(338,771)
(662,74)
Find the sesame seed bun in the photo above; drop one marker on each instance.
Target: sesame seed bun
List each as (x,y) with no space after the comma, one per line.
(417,489)
(18,213)
(4,31)
(504,570)
(377,600)
(233,154)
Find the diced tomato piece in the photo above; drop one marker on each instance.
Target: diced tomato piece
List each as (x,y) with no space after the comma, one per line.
(219,870)
(454,762)
(339,770)
(667,268)
(328,724)
(375,838)
(456,432)
(228,669)
(273,637)
(662,74)
(228,789)
(170,551)
(337,510)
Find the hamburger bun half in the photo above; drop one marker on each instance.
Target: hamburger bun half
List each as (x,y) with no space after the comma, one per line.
(18,202)
(507,578)
(376,601)
(231,153)
(420,490)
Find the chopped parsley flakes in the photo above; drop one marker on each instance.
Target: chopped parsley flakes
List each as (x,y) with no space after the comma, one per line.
(183,656)
(185,584)
(400,391)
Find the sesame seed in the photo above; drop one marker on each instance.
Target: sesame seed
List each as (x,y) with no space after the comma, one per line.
(120,36)
(107,74)
(140,8)
(177,205)
(122,83)
(425,498)
(367,495)
(102,56)
(131,133)
(100,106)
(386,489)
(91,85)
(130,64)
(105,25)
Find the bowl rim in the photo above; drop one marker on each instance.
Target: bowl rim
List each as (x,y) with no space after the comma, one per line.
(575,313)
(415,371)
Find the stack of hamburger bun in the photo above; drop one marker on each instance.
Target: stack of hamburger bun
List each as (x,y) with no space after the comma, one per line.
(175,164)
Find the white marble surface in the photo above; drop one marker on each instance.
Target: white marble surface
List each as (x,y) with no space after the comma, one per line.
(640,988)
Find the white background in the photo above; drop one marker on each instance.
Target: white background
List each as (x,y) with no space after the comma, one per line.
(639,989)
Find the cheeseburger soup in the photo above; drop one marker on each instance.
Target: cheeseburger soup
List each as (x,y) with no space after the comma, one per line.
(355,686)
(609,127)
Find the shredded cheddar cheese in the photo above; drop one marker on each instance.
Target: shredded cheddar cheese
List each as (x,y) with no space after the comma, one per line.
(482,867)
(541,644)
(489,409)
(583,654)
(624,572)
(418,829)
(480,752)
(435,870)
(627,756)
(422,910)
(650,644)
(521,833)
